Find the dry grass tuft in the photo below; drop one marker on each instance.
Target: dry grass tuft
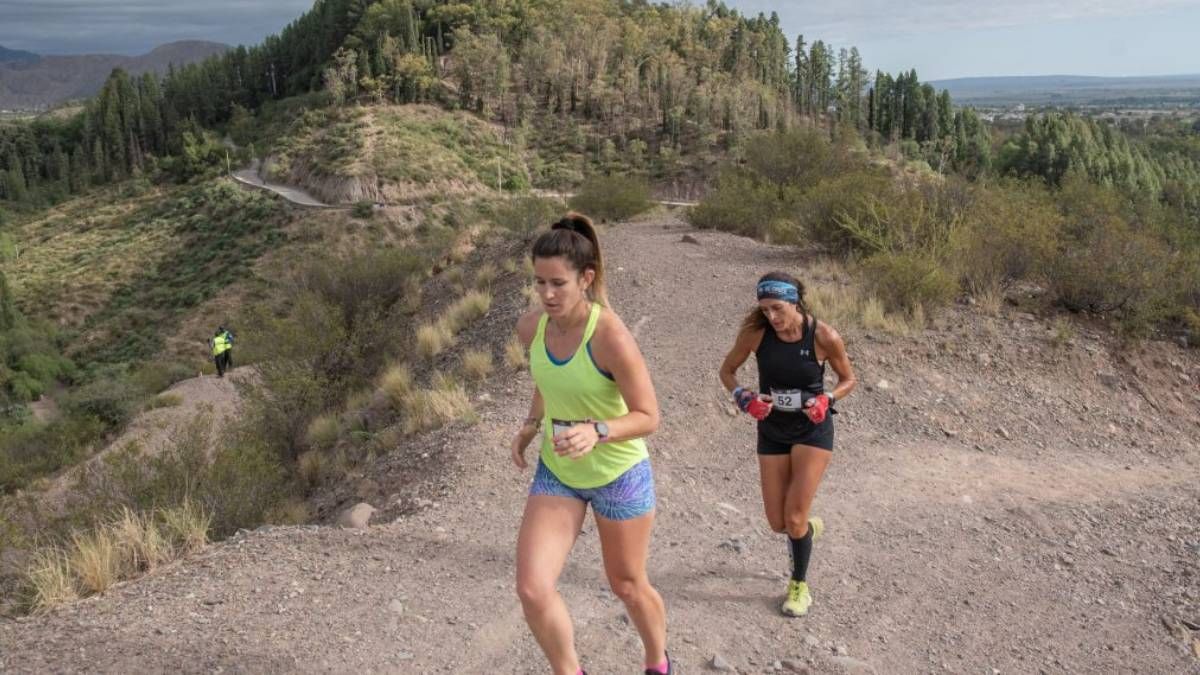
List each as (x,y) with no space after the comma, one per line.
(846,305)
(477,365)
(514,353)
(322,432)
(456,277)
(396,383)
(141,543)
(50,579)
(95,560)
(443,403)
(485,276)
(470,307)
(433,339)
(187,527)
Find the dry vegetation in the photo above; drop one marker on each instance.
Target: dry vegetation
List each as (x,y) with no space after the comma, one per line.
(128,545)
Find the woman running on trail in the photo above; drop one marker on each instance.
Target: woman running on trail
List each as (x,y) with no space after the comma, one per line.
(595,401)
(795,431)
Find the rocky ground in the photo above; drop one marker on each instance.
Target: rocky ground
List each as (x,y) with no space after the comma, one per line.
(1002,499)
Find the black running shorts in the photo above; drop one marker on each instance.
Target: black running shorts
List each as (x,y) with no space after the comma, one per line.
(778,439)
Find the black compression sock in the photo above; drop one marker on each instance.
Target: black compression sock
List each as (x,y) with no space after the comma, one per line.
(801,550)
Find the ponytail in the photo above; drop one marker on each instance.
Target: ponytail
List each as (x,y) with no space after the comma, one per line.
(574,238)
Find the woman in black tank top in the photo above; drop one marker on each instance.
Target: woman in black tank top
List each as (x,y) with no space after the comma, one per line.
(795,427)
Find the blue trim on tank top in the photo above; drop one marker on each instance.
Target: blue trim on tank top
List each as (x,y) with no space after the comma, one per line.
(591,357)
(598,368)
(556,361)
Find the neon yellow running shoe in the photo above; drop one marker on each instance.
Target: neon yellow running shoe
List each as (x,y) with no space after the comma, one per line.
(817,526)
(798,599)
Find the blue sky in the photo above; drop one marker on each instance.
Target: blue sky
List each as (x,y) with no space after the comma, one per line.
(940,38)
(963,38)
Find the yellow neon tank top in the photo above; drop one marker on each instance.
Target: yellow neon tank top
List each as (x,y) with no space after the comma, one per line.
(576,390)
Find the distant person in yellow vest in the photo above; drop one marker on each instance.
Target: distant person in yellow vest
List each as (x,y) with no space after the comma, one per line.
(592,405)
(222,350)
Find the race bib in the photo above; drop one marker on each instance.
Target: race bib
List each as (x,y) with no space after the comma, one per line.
(789,400)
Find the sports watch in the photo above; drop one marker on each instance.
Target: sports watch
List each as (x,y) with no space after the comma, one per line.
(601,431)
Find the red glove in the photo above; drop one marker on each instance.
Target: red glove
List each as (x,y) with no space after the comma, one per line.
(817,407)
(751,404)
(758,409)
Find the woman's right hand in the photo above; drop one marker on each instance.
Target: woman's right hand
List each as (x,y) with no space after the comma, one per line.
(521,441)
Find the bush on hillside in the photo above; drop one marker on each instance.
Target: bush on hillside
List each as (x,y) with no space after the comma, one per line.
(741,204)
(363,209)
(909,281)
(1010,234)
(235,484)
(613,197)
(527,213)
(800,158)
(1102,264)
(845,196)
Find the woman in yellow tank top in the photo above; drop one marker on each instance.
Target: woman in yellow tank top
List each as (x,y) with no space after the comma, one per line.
(592,405)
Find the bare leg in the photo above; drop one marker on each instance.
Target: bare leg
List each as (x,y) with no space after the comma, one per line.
(808,466)
(775,472)
(625,545)
(548,531)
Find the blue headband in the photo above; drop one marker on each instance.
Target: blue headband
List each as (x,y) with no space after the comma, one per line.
(778,290)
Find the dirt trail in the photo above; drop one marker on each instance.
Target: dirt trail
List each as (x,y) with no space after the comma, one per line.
(980,519)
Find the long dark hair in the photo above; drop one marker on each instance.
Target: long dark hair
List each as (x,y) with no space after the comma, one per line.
(574,238)
(756,320)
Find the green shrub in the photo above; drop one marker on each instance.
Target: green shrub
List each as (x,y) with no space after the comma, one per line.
(111,400)
(909,281)
(741,204)
(845,197)
(363,209)
(1010,234)
(1104,265)
(156,376)
(526,213)
(613,197)
(799,158)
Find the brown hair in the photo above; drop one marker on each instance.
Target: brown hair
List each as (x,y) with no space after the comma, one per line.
(574,238)
(756,320)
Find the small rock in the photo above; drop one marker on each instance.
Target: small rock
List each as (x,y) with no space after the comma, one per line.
(792,665)
(357,516)
(950,433)
(719,663)
(842,650)
(735,545)
(883,385)
(1003,433)
(1182,341)
(396,607)
(689,239)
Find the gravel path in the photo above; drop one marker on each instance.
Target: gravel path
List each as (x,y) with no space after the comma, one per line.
(981,519)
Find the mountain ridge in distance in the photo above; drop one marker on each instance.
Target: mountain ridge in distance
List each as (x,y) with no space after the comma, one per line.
(50,80)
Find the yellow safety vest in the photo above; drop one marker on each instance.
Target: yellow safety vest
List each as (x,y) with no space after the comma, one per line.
(220,345)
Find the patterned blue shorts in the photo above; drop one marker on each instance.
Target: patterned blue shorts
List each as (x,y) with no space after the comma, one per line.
(630,495)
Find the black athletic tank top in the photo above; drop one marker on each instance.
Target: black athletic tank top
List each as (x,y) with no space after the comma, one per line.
(790,366)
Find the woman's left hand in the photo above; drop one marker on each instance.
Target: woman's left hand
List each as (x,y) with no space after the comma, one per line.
(577,441)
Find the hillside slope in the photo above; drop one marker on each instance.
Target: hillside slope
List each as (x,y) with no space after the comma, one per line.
(999,503)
